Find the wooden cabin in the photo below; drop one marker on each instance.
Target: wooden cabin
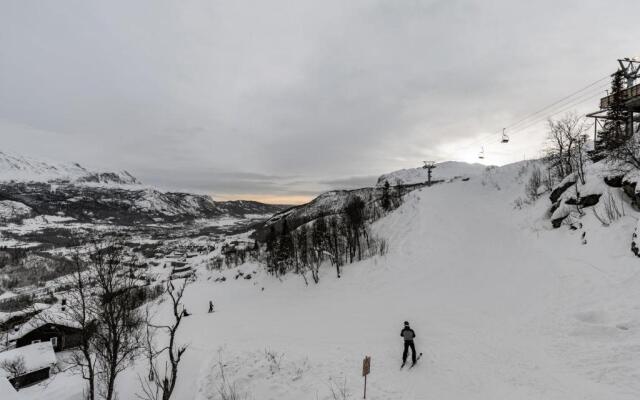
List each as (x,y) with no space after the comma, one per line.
(62,337)
(37,360)
(48,326)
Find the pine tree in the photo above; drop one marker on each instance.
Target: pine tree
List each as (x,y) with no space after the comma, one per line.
(613,134)
(272,245)
(302,245)
(385,200)
(354,212)
(286,247)
(319,235)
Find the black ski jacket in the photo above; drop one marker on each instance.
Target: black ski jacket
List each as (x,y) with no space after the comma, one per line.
(408,334)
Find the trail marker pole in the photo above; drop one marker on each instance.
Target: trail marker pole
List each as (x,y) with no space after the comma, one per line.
(366,368)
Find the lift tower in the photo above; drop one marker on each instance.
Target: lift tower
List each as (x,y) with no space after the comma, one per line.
(429,165)
(630,68)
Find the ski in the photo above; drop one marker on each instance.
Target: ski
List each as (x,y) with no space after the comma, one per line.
(417,359)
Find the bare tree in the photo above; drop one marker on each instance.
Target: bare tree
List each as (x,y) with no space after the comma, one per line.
(161,385)
(81,309)
(15,367)
(626,154)
(567,139)
(117,337)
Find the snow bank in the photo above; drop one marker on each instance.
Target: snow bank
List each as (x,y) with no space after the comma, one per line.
(7,391)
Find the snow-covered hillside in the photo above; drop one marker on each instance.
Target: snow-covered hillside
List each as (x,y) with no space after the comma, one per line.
(403,181)
(504,307)
(442,171)
(25,169)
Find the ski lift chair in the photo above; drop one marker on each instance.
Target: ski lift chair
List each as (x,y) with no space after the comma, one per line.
(505,137)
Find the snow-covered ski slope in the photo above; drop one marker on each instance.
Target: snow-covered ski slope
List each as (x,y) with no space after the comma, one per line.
(503,307)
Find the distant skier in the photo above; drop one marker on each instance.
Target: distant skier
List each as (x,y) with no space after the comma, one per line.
(210,306)
(408,335)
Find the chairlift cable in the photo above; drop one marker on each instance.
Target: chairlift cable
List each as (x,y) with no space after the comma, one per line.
(582,98)
(596,91)
(558,101)
(567,107)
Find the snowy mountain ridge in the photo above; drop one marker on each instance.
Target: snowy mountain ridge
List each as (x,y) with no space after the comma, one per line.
(30,187)
(19,168)
(443,170)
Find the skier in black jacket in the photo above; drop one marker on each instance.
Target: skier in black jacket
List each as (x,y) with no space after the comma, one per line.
(408,335)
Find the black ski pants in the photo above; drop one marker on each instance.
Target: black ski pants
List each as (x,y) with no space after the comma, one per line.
(407,344)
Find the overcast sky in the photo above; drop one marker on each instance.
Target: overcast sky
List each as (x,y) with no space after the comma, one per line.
(279,100)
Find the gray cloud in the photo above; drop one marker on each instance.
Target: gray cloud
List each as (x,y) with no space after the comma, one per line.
(352,182)
(290,97)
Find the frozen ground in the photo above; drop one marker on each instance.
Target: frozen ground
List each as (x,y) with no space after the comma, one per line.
(503,306)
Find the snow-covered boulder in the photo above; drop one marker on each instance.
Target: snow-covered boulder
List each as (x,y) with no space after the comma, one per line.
(571,193)
(630,186)
(562,187)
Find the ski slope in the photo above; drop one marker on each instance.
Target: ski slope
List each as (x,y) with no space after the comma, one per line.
(503,307)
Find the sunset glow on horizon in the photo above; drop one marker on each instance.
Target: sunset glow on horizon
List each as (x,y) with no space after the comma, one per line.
(266,198)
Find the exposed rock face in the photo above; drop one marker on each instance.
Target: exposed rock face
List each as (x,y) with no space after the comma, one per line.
(556,223)
(123,178)
(630,190)
(557,192)
(614,181)
(586,201)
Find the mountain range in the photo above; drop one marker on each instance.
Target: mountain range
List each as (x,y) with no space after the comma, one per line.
(30,187)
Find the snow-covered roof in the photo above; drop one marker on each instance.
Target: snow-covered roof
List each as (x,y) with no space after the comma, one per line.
(5,316)
(36,356)
(53,315)
(7,391)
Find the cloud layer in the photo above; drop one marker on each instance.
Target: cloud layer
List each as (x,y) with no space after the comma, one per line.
(289,98)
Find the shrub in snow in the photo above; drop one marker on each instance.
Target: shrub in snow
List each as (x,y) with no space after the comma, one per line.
(533,184)
(274,359)
(229,390)
(338,389)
